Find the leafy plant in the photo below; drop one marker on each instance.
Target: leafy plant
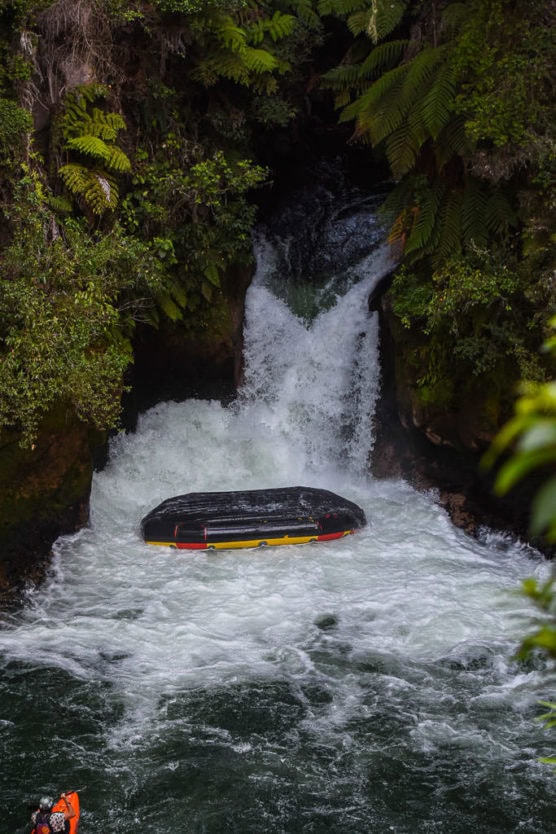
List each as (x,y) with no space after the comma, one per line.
(531,435)
(419,101)
(241,48)
(15,123)
(91,134)
(64,335)
(195,209)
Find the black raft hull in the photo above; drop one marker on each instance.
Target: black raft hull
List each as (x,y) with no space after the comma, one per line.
(223,520)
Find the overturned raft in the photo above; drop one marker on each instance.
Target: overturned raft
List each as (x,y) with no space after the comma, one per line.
(254,518)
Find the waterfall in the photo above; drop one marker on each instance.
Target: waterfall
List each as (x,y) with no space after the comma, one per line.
(354,686)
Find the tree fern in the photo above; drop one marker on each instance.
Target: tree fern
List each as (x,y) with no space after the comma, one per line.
(304,10)
(359,22)
(242,49)
(341,8)
(437,105)
(499,215)
(424,218)
(433,220)
(365,108)
(402,147)
(449,224)
(385,16)
(259,60)
(89,145)
(229,34)
(382,57)
(280,25)
(473,212)
(98,190)
(91,133)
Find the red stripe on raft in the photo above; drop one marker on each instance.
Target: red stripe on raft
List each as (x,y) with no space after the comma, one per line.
(329,536)
(195,546)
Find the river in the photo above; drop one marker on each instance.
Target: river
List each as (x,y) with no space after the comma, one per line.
(361,685)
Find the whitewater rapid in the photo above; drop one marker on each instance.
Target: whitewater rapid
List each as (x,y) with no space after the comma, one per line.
(397,641)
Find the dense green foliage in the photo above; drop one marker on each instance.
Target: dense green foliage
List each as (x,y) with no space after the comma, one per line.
(134,202)
(457,99)
(141,136)
(65,325)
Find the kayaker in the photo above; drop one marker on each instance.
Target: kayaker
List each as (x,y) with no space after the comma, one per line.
(47,821)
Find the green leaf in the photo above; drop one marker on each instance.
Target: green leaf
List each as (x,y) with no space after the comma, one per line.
(211,272)
(543,509)
(541,434)
(168,306)
(259,60)
(90,145)
(519,466)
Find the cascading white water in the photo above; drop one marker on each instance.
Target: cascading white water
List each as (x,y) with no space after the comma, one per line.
(333,687)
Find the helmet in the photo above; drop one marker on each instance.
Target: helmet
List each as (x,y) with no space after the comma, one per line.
(46,803)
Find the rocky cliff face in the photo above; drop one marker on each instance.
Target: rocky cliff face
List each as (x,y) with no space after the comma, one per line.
(44,492)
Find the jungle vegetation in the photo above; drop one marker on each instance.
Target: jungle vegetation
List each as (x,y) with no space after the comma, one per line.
(129,173)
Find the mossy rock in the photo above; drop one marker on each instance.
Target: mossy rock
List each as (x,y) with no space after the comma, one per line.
(464,411)
(44,492)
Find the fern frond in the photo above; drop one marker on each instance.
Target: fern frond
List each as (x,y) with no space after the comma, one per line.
(222,64)
(437,105)
(118,161)
(280,25)
(384,18)
(60,205)
(425,215)
(101,193)
(256,32)
(304,11)
(359,22)
(340,8)
(499,216)
(106,125)
(421,71)
(402,147)
(363,109)
(74,177)
(343,77)
(264,85)
(230,35)
(382,57)
(259,60)
(342,99)
(473,213)
(452,140)
(449,242)
(89,145)
(92,92)
(399,198)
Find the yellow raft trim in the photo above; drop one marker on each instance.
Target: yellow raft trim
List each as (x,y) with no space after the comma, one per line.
(242,543)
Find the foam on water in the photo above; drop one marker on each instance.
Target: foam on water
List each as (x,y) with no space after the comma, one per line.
(409,585)
(409,622)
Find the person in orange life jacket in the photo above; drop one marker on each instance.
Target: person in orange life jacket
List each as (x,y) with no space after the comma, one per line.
(47,821)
